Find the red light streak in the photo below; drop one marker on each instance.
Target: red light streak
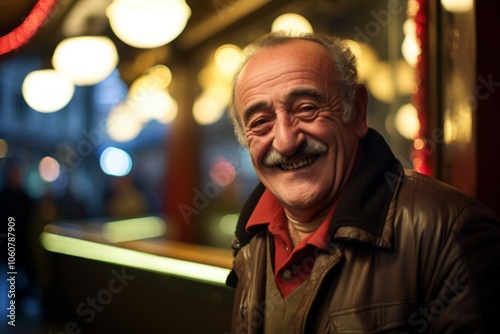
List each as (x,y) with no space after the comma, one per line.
(26,30)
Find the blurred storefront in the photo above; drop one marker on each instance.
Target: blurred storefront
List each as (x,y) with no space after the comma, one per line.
(152,136)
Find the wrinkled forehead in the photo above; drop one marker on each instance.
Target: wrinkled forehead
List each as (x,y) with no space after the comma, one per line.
(306,59)
(294,49)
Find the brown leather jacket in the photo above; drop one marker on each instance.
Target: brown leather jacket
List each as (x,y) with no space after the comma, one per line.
(408,254)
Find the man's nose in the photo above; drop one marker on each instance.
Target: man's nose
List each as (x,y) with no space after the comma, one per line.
(287,135)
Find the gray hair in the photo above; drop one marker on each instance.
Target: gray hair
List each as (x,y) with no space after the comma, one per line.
(343,60)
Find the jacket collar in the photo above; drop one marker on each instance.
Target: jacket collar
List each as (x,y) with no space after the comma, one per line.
(364,205)
(363,209)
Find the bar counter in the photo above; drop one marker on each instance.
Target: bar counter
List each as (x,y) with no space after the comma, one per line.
(125,276)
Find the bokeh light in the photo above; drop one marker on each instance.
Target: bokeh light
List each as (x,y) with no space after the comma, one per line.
(4,148)
(458,6)
(366,56)
(49,169)
(47,90)
(419,144)
(292,21)
(227,224)
(87,60)
(410,47)
(209,107)
(148,23)
(222,172)
(228,57)
(123,124)
(407,122)
(115,162)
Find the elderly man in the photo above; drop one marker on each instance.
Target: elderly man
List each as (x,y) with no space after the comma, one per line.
(338,236)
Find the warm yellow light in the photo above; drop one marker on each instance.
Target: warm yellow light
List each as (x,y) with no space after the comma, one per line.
(49,169)
(405,78)
(227,224)
(155,104)
(381,83)
(227,58)
(449,136)
(406,121)
(123,124)
(458,6)
(385,81)
(169,112)
(47,90)
(149,99)
(135,259)
(157,77)
(133,229)
(210,76)
(148,23)
(410,48)
(87,60)
(458,123)
(209,107)
(417,163)
(419,144)
(366,58)
(4,148)
(161,75)
(291,21)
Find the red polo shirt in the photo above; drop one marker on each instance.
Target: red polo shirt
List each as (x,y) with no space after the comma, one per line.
(292,266)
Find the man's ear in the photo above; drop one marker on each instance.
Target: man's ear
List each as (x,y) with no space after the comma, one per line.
(360,107)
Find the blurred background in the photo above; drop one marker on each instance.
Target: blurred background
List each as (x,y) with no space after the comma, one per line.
(117,154)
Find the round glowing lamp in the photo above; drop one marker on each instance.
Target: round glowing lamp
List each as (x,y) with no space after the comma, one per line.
(458,6)
(123,123)
(87,60)
(410,47)
(380,82)
(47,90)
(407,122)
(227,58)
(154,104)
(291,21)
(148,23)
(209,107)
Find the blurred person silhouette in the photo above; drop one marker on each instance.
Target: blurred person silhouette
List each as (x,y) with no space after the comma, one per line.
(338,237)
(17,205)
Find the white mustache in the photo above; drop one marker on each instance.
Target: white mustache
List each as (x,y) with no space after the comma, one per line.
(308,148)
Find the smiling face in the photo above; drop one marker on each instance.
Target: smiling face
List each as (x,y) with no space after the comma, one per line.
(301,149)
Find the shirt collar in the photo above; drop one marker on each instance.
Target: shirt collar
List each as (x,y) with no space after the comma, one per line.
(267,207)
(269,210)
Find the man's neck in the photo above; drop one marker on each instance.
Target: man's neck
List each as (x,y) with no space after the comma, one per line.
(299,230)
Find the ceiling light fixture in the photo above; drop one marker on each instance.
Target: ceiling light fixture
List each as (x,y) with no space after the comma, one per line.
(87,60)
(47,90)
(148,23)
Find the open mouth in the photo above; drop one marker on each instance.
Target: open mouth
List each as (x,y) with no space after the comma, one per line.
(298,164)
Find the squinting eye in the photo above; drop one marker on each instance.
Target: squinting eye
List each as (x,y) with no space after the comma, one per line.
(257,123)
(308,108)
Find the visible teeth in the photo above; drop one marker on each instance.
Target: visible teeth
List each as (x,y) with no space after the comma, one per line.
(298,164)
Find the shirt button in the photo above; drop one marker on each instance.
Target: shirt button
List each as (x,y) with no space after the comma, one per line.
(287,274)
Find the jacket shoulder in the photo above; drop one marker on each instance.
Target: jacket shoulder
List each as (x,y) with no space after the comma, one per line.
(435,198)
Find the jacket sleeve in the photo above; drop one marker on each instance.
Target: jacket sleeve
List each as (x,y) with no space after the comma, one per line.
(241,236)
(465,291)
